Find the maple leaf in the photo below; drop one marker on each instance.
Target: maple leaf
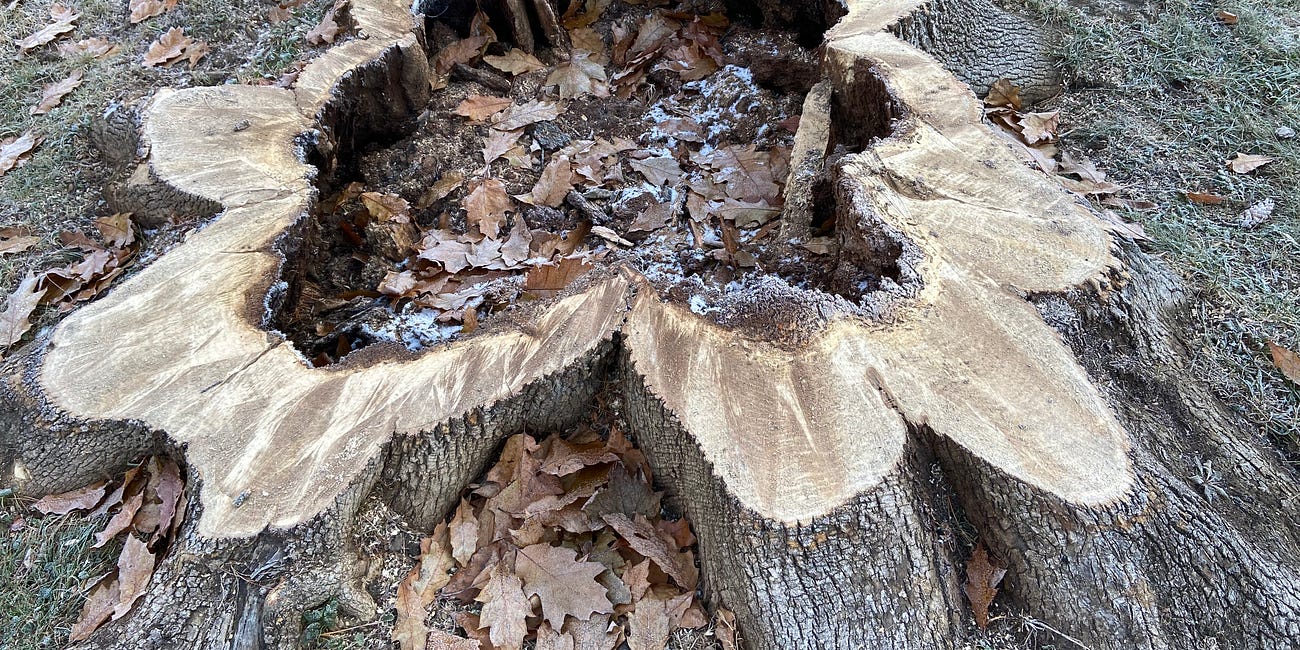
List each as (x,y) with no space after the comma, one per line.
(481,107)
(505,608)
(1286,361)
(486,206)
(96,47)
(521,115)
(553,185)
(516,62)
(83,498)
(14,320)
(96,610)
(658,169)
(1247,163)
(982,578)
(134,568)
(168,49)
(565,585)
(54,93)
(63,18)
(579,76)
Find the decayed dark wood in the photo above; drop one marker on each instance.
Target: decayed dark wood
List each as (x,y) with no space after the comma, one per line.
(1018,359)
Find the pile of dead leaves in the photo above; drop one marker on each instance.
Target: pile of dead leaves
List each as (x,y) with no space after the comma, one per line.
(65,287)
(148,509)
(563,545)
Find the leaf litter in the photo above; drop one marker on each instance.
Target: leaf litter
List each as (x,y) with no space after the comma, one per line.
(532,170)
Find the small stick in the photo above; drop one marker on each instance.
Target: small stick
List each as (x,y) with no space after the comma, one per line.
(496,82)
(586,208)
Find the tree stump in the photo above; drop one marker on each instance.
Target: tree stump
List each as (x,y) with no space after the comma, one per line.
(1019,358)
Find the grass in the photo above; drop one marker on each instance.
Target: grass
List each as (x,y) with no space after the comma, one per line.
(1161,97)
(44,566)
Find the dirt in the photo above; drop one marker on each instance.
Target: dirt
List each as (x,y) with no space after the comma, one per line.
(697,243)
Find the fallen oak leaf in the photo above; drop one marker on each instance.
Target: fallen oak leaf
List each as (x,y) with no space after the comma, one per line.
(142,10)
(515,62)
(168,49)
(521,115)
(14,151)
(14,320)
(1246,163)
(481,107)
(505,609)
(117,229)
(442,640)
(1003,93)
(329,27)
(463,533)
(654,619)
(83,498)
(1226,17)
(553,185)
(1039,127)
(134,569)
(497,143)
(579,76)
(1204,198)
(96,47)
(96,610)
(16,240)
(650,542)
(1286,361)
(52,95)
(565,585)
(62,17)
(486,206)
(462,51)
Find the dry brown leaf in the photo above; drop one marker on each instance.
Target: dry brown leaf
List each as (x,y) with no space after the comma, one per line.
(116,229)
(83,498)
(505,609)
(142,10)
(565,585)
(386,207)
(120,521)
(655,32)
(654,619)
(1204,198)
(328,29)
(521,115)
(593,634)
(1119,226)
(1039,127)
(14,320)
(168,49)
(486,206)
(481,107)
(746,172)
(134,568)
(62,17)
(1003,93)
(196,51)
(647,540)
(409,630)
(725,630)
(497,143)
(549,639)
(982,578)
(516,62)
(96,47)
(450,182)
(555,277)
(553,185)
(1286,361)
(658,169)
(17,242)
(96,610)
(14,151)
(462,51)
(518,248)
(578,77)
(464,533)
(591,11)
(1245,163)
(420,587)
(444,248)
(1226,17)
(54,93)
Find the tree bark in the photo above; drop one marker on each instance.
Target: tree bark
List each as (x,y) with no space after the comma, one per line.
(1015,370)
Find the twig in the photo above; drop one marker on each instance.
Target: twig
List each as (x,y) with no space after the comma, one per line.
(349,629)
(586,208)
(496,82)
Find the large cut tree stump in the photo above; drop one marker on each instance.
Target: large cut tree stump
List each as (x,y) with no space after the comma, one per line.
(1019,359)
